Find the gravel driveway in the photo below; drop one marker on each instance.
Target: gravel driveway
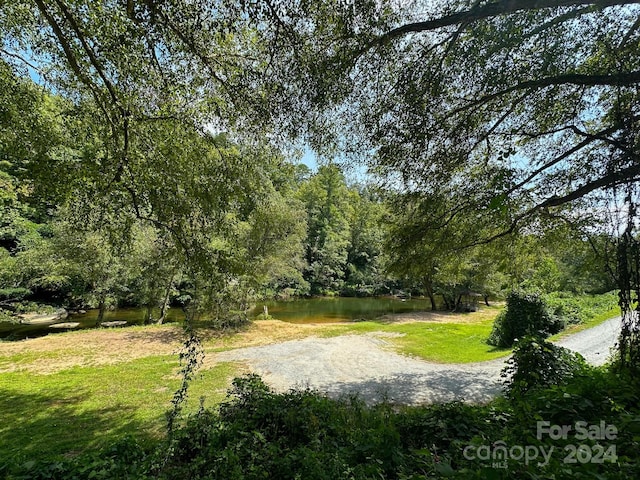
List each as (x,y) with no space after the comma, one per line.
(366,365)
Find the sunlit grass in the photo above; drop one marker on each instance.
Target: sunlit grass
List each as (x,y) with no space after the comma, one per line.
(441,342)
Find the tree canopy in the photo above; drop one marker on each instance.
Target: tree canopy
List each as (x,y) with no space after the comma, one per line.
(487,114)
(509,108)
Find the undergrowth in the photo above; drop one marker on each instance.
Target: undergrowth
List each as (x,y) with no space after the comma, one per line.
(258,434)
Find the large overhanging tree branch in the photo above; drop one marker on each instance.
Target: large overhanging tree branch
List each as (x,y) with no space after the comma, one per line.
(509,110)
(489,10)
(530,88)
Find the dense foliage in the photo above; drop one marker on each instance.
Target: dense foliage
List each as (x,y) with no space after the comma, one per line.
(228,223)
(526,314)
(537,364)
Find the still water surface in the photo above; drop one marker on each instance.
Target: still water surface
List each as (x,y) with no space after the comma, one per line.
(312,310)
(340,309)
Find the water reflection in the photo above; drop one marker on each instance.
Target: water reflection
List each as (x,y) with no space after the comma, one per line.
(133,316)
(340,309)
(313,310)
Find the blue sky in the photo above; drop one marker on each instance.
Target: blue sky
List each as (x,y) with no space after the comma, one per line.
(309,159)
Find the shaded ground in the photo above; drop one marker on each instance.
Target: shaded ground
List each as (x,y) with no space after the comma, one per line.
(364,364)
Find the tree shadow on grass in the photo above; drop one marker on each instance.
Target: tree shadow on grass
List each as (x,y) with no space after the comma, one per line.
(498,349)
(37,426)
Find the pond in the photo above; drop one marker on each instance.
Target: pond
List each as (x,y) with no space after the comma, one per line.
(340,309)
(133,316)
(311,310)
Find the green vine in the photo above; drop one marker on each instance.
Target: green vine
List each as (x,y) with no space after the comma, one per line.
(191,357)
(628,260)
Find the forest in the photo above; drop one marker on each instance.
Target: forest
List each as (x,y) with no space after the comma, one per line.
(288,232)
(284,231)
(151,156)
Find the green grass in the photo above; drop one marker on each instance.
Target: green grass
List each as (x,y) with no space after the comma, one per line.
(82,408)
(448,343)
(466,342)
(435,342)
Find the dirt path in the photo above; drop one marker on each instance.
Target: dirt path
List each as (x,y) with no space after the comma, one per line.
(595,343)
(364,364)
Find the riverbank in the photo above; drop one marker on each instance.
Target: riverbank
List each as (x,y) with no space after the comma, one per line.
(76,390)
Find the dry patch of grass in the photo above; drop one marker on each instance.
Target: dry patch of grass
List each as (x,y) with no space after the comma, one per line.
(91,348)
(54,353)
(482,315)
(261,332)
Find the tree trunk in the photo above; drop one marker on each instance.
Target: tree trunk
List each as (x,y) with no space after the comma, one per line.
(458,303)
(101,309)
(628,277)
(447,304)
(148,309)
(486,300)
(165,301)
(428,287)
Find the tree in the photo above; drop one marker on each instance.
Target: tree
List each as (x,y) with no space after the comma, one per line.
(151,272)
(274,245)
(79,265)
(326,199)
(513,109)
(133,76)
(418,251)
(524,106)
(364,274)
(509,108)
(31,137)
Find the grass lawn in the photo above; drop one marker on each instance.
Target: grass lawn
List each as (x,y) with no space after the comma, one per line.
(83,407)
(452,338)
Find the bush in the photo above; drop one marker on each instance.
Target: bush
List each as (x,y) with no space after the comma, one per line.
(537,363)
(526,314)
(581,308)
(14,294)
(300,434)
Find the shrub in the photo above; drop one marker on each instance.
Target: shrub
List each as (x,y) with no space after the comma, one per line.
(581,308)
(526,314)
(300,434)
(537,363)
(14,294)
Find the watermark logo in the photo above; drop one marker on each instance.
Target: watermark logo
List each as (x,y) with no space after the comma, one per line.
(580,431)
(499,454)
